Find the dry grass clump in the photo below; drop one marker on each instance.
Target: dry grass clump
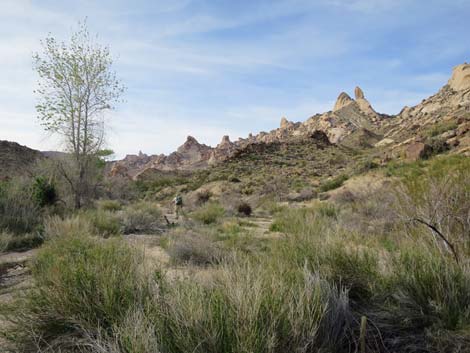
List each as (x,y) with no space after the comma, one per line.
(203,196)
(109,205)
(142,216)
(56,227)
(195,249)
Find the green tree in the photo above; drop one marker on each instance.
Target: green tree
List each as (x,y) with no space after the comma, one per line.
(77,86)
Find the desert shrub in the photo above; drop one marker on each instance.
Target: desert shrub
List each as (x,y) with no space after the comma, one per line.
(194,249)
(44,192)
(83,285)
(109,205)
(436,146)
(19,213)
(203,196)
(333,183)
(439,198)
(141,217)
(244,209)
(209,213)
(105,223)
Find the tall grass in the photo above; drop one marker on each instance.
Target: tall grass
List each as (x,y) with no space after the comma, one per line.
(84,285)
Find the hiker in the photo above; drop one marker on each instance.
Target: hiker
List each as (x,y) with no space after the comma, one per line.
(178,200)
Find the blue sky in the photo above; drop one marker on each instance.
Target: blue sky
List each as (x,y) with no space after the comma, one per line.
(210,68)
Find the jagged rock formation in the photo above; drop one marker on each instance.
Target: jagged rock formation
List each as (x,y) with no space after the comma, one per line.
(342,101)
(223,150)
(352,122)
(364,104)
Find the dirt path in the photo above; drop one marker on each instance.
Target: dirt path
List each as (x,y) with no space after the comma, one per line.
(14,273)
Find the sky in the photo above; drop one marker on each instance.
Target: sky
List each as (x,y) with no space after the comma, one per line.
(209,68)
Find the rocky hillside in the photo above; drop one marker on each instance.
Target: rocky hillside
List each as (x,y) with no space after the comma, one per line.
(16,160)
(352,122)
(442,118)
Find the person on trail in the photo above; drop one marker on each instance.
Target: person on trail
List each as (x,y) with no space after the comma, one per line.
(178,200)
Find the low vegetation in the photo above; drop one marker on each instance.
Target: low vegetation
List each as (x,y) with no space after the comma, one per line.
(354,273)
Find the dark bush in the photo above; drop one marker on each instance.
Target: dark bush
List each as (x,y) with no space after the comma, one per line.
(44,192)
(234,179)
(436,146)
(203,196)
(244,209)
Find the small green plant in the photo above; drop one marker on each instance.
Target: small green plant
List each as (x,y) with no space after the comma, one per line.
(333,183)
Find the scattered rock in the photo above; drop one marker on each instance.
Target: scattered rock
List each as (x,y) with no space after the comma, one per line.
(417,150)
(384,142)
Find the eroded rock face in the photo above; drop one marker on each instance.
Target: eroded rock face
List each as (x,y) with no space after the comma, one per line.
(460,79)
(224,150)
(342,101)
(364,104)
(284,123)
(119,170)
(358,93)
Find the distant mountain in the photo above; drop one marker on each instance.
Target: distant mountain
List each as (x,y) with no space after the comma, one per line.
(352,122)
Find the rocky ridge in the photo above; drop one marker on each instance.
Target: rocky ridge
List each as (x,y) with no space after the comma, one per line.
(350,120)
